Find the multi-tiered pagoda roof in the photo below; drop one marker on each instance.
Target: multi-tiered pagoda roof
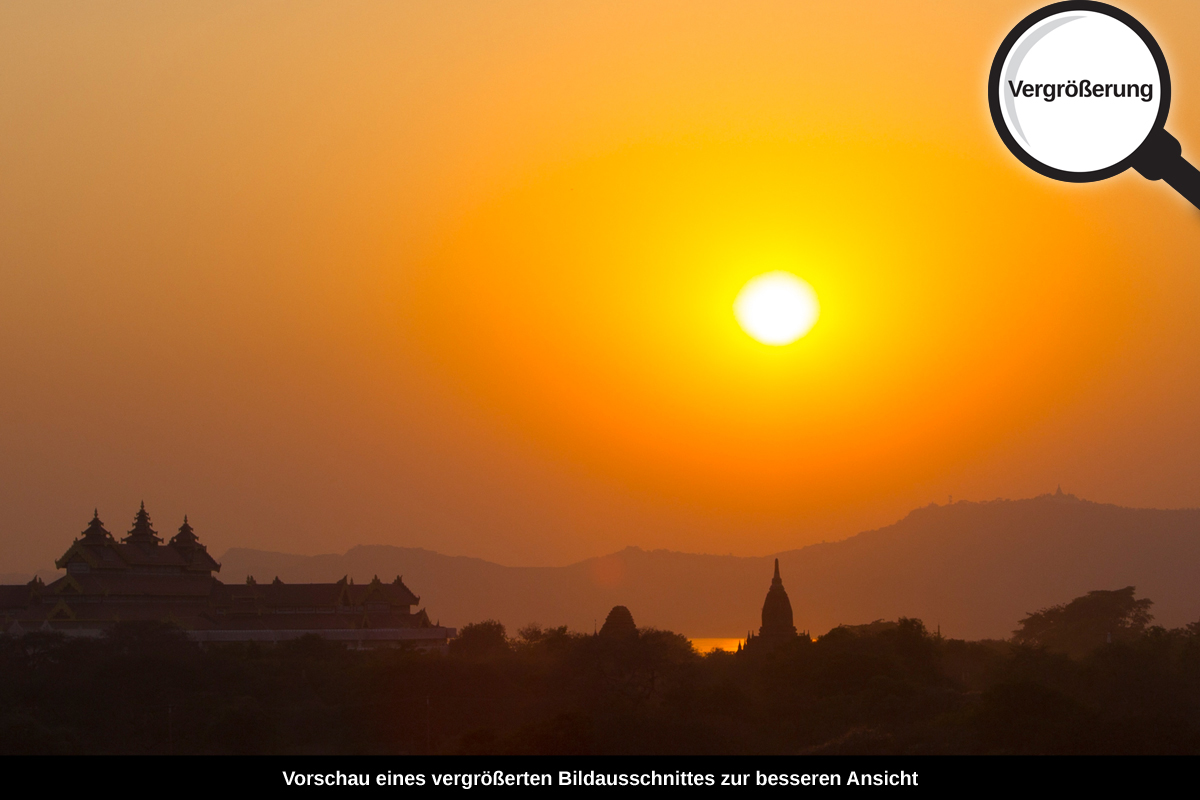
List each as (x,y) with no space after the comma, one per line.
(142,578)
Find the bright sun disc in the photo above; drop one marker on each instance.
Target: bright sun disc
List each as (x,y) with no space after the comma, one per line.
(776,308)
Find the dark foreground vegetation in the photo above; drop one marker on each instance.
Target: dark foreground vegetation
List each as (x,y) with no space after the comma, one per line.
(1088,677)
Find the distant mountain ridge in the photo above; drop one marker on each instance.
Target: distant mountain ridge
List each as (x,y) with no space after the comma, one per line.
(974,568)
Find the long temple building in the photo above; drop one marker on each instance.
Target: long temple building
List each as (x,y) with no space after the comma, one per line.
(142,578)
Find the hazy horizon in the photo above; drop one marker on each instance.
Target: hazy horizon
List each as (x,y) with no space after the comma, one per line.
(969,569)
(118,531)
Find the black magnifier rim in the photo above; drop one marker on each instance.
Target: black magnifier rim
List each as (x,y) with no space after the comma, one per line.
(1007,45)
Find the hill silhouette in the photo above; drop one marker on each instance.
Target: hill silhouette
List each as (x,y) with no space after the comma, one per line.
(974,568)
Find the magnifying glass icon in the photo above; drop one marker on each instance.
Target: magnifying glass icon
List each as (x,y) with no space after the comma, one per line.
(1079,92)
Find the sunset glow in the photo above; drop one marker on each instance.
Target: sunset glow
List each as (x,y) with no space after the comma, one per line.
(463,278)
(708,645)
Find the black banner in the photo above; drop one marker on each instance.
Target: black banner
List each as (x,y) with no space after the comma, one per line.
(614,775)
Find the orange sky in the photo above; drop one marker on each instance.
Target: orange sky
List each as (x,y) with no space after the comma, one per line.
(461,276)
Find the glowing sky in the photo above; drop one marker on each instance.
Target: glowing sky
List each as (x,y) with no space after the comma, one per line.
(461,276)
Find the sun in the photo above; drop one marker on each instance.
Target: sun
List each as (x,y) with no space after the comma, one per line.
(776,308)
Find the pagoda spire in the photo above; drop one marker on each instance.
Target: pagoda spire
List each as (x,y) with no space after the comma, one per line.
(777,623)
(143,532)
(95,533)
(186,539)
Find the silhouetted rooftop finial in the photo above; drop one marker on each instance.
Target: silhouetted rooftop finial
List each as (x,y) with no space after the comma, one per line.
(186,539)
(95,532)
(143,532)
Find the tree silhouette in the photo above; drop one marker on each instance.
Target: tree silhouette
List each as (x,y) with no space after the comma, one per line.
(1084,624)
(481,640)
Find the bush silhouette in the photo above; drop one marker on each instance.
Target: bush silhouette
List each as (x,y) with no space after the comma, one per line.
(1084,624)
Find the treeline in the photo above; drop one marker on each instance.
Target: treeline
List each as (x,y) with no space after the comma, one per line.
(1091,676)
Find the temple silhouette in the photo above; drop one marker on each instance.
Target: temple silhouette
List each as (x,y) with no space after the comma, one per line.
(139,578)
(618,624)
(778,628)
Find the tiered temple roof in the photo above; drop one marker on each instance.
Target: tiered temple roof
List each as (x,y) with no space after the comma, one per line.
(140,551)
(141,578)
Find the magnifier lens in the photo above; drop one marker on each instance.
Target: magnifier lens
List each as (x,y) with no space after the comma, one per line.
(1079,92)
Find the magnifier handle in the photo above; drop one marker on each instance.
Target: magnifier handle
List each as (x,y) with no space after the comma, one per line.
(1161,158)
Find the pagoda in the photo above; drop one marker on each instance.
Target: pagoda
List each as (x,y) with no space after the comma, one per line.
(97,555)
(619,624)
(777,625)
(142,578)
